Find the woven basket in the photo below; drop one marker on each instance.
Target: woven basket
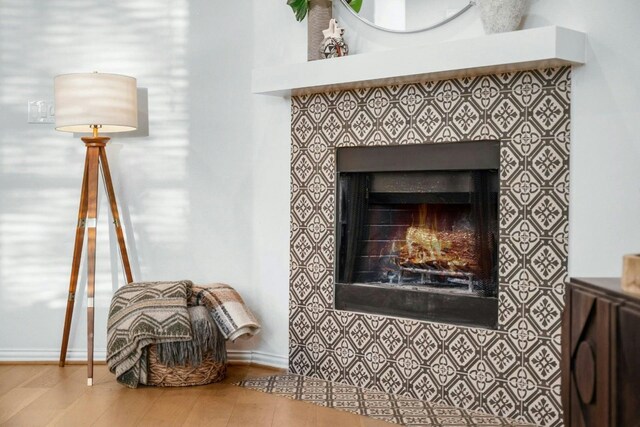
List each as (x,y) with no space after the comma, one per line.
(161,375)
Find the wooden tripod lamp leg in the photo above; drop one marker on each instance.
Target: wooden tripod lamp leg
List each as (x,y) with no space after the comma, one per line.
(75,264)
(88,218)
(92,213)
(114,213)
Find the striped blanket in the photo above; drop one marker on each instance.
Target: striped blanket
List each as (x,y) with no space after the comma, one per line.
(147,313)
(228,310)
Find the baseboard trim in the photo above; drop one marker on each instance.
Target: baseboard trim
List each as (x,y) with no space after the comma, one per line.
(258,358)
(48,355)
(76,355)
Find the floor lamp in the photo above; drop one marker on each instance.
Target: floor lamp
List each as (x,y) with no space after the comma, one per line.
(93,102)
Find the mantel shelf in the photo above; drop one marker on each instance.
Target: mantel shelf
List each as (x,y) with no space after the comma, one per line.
(497,53)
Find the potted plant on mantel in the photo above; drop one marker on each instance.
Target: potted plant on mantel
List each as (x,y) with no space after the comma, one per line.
(319,12)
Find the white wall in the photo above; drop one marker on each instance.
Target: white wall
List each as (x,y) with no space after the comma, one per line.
(278,38)
(206,195)
(186,191)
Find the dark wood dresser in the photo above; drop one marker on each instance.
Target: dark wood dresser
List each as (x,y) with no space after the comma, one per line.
(600,355)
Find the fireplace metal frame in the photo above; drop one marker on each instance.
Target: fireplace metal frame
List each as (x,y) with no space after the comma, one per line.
(463,155)
(411,301)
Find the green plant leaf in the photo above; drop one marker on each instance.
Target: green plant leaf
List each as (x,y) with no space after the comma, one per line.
(355,5)
(299,8)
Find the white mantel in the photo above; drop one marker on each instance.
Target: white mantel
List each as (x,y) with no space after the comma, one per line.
(518,50)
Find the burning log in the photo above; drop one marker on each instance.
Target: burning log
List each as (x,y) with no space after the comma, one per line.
(440,250)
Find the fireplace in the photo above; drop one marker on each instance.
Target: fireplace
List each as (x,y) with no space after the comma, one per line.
(509,366)
(417,231)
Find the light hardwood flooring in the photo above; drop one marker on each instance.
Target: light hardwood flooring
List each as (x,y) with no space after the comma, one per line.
(38,395)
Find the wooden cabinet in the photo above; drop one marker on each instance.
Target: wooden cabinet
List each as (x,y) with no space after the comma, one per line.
(600,355)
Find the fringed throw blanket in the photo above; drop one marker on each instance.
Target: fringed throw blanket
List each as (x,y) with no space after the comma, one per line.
(184,321)
(207,338)
(228,310)
(143,314)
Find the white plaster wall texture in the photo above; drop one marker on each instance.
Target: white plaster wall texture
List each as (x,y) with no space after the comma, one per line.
(185,191)
(278,38)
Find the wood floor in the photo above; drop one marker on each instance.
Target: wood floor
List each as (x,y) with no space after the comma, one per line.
(38,395)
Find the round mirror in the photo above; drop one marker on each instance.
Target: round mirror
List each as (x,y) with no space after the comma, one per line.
(406,16)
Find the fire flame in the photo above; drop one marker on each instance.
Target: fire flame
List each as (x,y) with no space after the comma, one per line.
(427,247)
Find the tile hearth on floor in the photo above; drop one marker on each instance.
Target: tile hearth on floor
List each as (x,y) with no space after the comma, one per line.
(384,406)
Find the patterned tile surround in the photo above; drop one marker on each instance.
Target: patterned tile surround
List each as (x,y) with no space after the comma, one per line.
(384,406)
(512,371)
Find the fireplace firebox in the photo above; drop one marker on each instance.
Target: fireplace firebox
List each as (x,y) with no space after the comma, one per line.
(417,231)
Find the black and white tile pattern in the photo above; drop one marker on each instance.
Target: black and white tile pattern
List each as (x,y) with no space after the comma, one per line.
(384,406)
(512,371)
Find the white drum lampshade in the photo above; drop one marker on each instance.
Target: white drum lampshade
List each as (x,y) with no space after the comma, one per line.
(85,100)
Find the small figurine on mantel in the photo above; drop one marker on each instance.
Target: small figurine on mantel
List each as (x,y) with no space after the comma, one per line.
(333,44)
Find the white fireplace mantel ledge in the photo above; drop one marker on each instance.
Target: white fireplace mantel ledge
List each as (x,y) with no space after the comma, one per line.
(497,53)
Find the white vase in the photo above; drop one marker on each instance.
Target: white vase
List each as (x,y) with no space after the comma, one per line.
(499,16)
